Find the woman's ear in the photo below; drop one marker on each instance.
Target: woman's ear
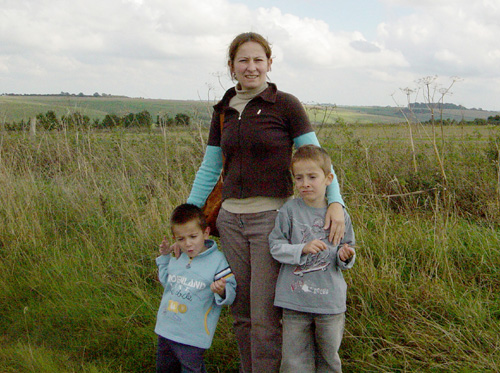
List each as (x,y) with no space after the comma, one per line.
(231,70)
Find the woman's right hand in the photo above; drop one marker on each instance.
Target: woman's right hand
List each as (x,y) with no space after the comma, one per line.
(334,220)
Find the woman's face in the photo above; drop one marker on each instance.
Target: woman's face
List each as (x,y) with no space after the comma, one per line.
(250,65)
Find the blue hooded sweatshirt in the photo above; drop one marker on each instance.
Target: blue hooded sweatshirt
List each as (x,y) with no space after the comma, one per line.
(189,310)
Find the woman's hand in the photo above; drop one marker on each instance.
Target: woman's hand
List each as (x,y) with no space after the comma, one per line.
(334,220)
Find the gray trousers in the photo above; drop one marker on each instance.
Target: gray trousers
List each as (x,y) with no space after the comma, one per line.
(311,342)
(244,241)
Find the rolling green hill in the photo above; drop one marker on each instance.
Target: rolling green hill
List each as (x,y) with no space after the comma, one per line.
(17,108)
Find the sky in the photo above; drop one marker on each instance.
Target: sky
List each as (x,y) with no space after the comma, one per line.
(342,52)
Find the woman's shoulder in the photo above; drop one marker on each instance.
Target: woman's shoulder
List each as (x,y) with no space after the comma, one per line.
(224,102)
(287,98)
(273,91)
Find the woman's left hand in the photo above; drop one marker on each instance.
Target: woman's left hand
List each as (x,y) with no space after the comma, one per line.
(334,220)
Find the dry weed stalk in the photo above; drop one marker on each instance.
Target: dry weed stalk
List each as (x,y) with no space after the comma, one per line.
(408,92)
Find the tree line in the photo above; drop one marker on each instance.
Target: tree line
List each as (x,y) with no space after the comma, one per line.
(50,121)
(494,120)
(440,105)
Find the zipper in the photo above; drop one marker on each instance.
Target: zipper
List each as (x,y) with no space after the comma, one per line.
(241,159)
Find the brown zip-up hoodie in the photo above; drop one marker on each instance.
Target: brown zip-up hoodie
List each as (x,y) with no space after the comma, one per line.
(257,146)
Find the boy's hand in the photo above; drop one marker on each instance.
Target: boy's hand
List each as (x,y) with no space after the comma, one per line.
(219,287)
(346,252)
(314,247)
(165,248)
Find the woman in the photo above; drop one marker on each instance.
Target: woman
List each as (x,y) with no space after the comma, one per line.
(260,127)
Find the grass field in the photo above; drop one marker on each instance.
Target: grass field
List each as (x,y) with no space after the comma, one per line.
(17,108)
(82,214)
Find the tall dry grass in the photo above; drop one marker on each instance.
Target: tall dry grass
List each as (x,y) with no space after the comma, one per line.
(82,214)
(423,295)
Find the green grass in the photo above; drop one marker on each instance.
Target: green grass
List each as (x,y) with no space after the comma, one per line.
(82,214)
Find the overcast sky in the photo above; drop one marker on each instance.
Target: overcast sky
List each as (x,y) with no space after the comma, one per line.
(342,52)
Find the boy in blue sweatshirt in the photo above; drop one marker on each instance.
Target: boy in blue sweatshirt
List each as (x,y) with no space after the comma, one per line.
(197,284)
(310,287)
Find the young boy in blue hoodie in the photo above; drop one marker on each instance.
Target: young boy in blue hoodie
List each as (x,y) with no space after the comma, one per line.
(197,284)
(310,287)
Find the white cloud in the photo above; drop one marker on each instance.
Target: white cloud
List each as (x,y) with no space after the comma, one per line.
(177,48)
(458,33)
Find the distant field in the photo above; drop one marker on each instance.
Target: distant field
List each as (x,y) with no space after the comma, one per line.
(389,114)
(17,108)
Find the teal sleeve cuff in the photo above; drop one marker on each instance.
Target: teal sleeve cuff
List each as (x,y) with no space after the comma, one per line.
(207,176)
(306,138)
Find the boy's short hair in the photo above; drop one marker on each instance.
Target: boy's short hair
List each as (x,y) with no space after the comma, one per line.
(187,212)
(313,153)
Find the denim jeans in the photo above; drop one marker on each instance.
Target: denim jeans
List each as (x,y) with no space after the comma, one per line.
(311,342)
(178,358)
(244,240)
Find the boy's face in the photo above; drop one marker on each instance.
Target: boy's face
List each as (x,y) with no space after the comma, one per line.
(190,237)
(311,182)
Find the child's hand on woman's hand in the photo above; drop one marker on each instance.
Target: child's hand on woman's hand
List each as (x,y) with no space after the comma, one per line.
(346,252)
(314,247)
